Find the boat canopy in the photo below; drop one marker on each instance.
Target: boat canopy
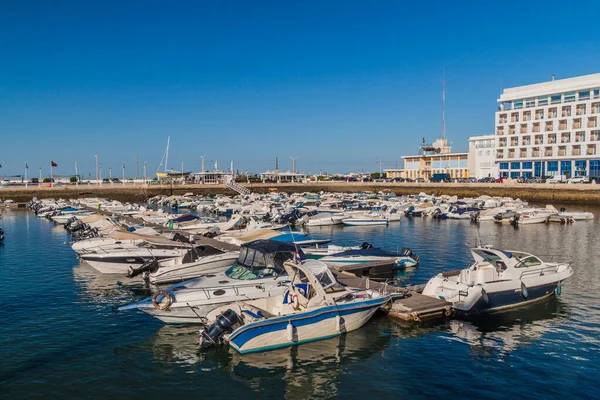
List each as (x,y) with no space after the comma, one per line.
(262,253)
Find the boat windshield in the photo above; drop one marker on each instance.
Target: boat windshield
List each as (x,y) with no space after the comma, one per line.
(242,272)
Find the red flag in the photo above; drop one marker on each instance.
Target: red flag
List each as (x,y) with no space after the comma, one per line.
(53,164)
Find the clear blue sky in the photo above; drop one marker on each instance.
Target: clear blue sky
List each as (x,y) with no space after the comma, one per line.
(335,84)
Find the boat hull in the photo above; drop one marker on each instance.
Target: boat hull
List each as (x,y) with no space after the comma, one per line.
(320,324)
(181,272)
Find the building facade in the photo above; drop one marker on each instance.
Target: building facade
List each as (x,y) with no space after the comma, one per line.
(550,128)
(482,157)
(437,158)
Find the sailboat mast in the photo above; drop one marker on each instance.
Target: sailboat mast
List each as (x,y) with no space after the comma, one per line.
(167,154)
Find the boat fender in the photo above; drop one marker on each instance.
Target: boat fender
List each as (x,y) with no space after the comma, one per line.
(524,290)
(291,332)
(485,296)
(558,288)
(224,323)
(166,295)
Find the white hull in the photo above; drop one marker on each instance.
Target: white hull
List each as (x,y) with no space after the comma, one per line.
(365,222)
(303,327)
(180,272)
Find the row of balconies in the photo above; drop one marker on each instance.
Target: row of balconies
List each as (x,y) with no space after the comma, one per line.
(565,137)
(553,112)
(554,151)
(576,123)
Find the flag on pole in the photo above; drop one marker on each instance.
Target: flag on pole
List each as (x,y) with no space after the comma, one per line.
(26,166)
(298,259)
(52,163)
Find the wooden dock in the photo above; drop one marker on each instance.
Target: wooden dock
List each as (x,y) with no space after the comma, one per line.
(409,305)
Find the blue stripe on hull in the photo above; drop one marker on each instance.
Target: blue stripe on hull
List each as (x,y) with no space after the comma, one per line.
(243,335)
(508,299)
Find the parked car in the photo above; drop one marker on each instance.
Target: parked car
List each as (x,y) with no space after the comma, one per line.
(501,179)
(557,179)
(440,178)
(487,179)
(34,180)
(419,180)
(578,179)
(116,180)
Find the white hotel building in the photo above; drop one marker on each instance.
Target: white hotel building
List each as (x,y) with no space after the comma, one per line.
(550,128)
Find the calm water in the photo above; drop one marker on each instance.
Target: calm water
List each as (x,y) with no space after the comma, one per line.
(58,336)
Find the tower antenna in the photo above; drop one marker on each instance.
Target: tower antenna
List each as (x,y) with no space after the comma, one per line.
(444,106)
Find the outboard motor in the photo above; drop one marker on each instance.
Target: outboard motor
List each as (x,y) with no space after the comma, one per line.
(150,265)
(223,324)
(475,216)
(409,253)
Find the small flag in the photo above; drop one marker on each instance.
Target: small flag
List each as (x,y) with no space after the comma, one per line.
(26,166)
(298,259)
(0,165)
(52,163)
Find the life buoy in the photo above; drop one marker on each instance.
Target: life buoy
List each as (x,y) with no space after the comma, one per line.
(293,301)
(166,295)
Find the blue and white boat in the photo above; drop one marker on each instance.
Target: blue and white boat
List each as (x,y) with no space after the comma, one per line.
(315,307)
(498,280)
(337,256)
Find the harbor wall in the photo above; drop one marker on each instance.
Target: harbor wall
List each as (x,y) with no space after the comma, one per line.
(557,193)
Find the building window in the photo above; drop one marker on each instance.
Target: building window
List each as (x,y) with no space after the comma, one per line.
(553,167)
(526,175)
(543,101)
(530,103)
(514,175)
(594,169)
(569,97)
(597,93)
(518,104)
(580,168)
(515,165)
(527,165)
(584,95)
(503,165)
(537,170)
(565,168)
(555,99)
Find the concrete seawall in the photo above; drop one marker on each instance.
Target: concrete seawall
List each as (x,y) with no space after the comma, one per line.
(577,193)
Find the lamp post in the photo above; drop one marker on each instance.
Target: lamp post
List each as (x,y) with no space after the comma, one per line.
(97,155)
(110,174)
(76,175)
(123,169)
(379,161)
(144,172)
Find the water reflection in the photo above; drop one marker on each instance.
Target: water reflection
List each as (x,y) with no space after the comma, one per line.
(497,335)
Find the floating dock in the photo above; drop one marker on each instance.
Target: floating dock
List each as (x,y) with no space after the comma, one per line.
(410,305)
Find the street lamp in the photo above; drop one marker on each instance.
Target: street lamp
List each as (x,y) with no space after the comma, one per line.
(379,161)
(144,172)
(97,155)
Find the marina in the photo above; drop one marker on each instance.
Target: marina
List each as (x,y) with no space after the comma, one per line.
(412,317)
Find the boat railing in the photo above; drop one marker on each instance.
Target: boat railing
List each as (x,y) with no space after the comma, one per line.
(539,272)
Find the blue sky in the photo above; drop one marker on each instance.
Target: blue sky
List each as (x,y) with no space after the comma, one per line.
(336,84)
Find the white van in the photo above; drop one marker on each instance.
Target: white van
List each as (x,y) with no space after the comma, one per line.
(557,179)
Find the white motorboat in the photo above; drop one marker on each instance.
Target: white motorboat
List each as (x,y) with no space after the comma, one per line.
(313,307)
(366,254)
(119,258)
(498,280)
(367,219)
(325,219)
(530,217)
(200,260)
(257,273)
